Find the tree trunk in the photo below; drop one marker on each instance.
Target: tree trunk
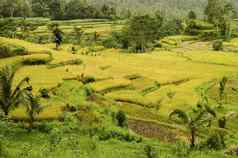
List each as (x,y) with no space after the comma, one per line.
(31,121)
(30,126)
(193,138)
(6,112)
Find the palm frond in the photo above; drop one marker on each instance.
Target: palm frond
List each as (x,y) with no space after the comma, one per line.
(200,116)
(18,97)
(20,84)
(210,110)
(5,82)
(12,71)
(181,115)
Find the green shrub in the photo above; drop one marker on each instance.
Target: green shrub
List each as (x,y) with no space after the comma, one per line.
(192,15)
(87,79)
(150,152)
(11,50)
(217,45)
(55,137)
(19,51)
(158,44)
(4,51)
(35,61)
(70,108)
(121,118)
(215,141)
(70,122)
(44,93)
(88,91)
(207,34)
(3,152)
(201,28)
(46,127)
(111,43)
(106,134)
(181,149)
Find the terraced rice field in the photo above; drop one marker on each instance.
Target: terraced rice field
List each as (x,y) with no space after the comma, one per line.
(179,75)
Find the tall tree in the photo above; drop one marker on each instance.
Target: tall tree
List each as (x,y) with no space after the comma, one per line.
(143,30)
(214,10)
(40,8)
(220,13)
(192,15)
(57,9)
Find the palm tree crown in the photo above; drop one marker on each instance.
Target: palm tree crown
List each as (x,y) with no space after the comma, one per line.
(10,96)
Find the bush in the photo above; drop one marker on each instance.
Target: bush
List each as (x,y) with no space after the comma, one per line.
(201,28)
(55,138)
(150,152)
(35,61)
(70,122)
(181,149)
(19,51)
(217,45)
(207,34)
(3,152)
(111,43)
(215,141)
(44,93)
(121,119)
(119,134)
(46,127)
(70,108)
(11,50)
(4,51)
(192,15)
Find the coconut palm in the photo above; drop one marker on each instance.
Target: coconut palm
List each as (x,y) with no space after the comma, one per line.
(222,86)
(10,96)
(33,107)
(195,121)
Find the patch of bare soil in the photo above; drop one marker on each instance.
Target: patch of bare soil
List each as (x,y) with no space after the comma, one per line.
(233,83)
(188,46)
(152,130)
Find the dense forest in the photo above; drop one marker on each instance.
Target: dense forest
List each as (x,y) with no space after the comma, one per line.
(72,9)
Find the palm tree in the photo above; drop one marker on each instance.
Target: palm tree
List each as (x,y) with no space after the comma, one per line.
(10,96)
(200,118)
(222,86)
(33,107)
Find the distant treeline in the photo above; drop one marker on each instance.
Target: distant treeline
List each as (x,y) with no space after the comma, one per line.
(106,9)
(55,9)
(172,8)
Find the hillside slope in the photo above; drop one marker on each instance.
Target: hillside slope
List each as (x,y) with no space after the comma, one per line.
(171,7)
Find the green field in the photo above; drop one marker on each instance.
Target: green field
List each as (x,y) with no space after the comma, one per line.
(123,81)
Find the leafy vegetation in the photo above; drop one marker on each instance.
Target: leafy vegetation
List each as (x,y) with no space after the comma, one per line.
(10,98)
